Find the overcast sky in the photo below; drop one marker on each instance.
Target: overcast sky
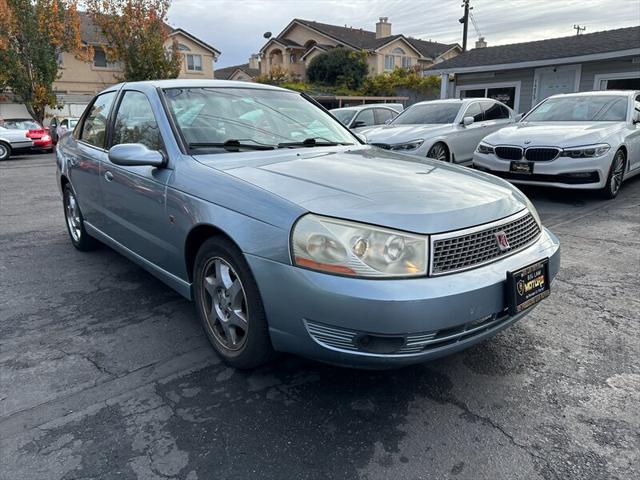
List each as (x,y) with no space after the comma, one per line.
(235,27)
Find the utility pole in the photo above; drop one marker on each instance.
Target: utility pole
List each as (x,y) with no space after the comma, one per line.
(579,29)
(465,22)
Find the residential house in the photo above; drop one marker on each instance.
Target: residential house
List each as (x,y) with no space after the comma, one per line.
(523,74)
(302,40)
(246,72)
(80,77)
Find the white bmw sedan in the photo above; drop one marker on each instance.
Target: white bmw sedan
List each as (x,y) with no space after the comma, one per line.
(588,140)
(447,130)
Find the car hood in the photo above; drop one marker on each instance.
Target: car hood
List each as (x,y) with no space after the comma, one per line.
(403,133)
(559,134)
(373,186)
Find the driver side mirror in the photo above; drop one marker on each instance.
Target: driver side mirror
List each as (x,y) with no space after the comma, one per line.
(358,124)
(135,155)
(361,137)
(518,117)
(466,121)
(388,121)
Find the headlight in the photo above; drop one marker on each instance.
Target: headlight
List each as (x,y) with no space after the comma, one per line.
(404,147)
(485,148)
(358,250)
(588,151)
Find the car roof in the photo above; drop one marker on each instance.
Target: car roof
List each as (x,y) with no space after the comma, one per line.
(368,105)
(195,83)
(459,101)
(612,93)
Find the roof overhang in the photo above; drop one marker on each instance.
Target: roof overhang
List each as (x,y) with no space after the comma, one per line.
(216,53)
(315,47)
(537,63)
(406,42)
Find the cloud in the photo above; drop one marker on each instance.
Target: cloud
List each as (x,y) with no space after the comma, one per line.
(235,27)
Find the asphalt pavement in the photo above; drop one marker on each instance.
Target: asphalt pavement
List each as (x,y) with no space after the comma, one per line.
(105,372)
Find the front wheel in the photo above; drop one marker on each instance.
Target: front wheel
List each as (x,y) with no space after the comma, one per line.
(615,177)
(229,305)
(439,151)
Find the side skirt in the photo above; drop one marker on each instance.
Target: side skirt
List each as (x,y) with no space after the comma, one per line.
(179,285)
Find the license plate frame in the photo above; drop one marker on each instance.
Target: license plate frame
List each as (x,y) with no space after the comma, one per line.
(521,167)
(528,286)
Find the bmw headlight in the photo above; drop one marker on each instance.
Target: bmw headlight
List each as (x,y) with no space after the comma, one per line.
(407,147)
(354,249)
(588,151)
(485,148)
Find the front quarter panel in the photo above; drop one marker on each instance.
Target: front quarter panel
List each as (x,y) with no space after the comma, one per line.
(257,221)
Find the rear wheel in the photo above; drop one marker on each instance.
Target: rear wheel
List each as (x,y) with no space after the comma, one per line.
(229,305)
(75,222)
(439,151)
(615,177)
(5,151)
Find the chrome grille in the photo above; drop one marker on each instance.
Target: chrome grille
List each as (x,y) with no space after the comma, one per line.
(508,153)
(473,247)
(332,336)
(537,154)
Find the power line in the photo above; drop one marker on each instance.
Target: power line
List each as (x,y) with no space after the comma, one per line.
(475,25)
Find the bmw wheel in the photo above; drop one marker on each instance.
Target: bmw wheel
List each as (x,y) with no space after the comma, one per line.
(439,151)
(615,177)
(5,151)
(75,222)
(229,305)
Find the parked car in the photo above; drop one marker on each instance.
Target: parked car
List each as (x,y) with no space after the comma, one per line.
(13,142)
(446,130)
(317,245)
(365,116)
(588,140)
(36,132)
(61,125)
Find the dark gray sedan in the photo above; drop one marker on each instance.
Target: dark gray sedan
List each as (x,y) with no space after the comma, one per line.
(291,235)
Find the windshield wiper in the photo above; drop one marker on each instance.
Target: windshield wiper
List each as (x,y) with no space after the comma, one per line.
(311,142)
(233,145)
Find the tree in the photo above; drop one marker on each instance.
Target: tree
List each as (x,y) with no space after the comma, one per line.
(339,67)
(136,33)
(32,35)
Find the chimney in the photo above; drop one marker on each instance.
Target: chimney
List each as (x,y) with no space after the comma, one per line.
(383,28)
(481,43)
(254,61)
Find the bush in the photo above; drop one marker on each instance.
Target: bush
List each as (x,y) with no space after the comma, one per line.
(386,84)
(339,67)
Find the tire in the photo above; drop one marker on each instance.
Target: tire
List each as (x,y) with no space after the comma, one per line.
(5,151)
(75,222)
(615,176)
(439,151)
(229,305)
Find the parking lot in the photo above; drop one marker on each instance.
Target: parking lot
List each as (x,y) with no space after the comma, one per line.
(106,373)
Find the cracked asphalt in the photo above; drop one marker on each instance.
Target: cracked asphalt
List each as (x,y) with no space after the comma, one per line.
(106,374)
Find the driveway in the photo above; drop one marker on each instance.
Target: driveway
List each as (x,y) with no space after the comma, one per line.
(105,372)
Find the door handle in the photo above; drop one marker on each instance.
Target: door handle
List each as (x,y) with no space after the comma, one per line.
(108,176)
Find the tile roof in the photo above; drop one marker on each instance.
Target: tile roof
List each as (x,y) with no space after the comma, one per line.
(226,72)
(575,45)
(366,40)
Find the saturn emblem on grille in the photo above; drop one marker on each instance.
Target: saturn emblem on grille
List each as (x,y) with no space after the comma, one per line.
(503,241)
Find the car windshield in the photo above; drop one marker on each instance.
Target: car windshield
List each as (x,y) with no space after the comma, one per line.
(587,108)
(216,118)
(428,113)
(21,125)
(345,115)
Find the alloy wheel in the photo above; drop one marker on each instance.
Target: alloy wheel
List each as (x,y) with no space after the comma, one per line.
(438,152)
(4,152)
(73,216)
(617,173)
(225,304)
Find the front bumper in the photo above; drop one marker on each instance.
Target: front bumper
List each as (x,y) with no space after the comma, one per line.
(575,173)
(464,308)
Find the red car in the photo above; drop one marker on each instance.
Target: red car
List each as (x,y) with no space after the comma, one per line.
(41,139)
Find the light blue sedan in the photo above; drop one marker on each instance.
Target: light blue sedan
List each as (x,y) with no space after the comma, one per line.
(290,234)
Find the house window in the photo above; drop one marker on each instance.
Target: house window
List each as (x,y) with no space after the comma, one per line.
(100,60)
(506,94)
(389,62)
(406,62)
(194,62)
